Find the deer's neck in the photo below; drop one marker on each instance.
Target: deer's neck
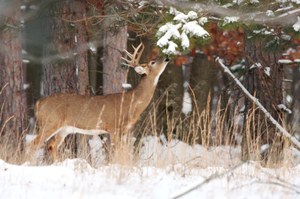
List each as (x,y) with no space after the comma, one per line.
(142,94)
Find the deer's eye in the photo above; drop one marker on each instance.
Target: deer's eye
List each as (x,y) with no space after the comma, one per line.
(152,62)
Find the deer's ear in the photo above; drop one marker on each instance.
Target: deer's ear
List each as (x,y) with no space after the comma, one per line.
(141,70)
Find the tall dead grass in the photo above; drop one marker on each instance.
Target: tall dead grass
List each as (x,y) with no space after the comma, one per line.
(209,128)
(10,146)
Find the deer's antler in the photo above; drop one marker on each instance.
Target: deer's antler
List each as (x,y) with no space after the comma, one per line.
(135,57)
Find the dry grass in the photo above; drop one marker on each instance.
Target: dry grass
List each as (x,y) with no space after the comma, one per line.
(11,150)
(208,128)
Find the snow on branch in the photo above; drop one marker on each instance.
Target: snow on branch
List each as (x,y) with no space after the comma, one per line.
(287,18)
(175,34)
(292,138)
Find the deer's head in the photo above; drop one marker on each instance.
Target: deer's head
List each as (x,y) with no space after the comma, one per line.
(153,68)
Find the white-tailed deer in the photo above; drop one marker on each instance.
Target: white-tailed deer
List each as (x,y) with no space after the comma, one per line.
(61,114)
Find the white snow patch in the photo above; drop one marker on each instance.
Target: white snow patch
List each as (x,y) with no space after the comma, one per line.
(237,67)
(297,60)
(181,17)
(285,61)
(192,15)
(256,65)
(98,155)
(203,20)
(183,167)
(194,28)
(264,148)
(186,103)
(26,86)
(231,19)
(284,108)
(170,30)
(25,61)
(264,31)
(29,138)
(289,99)
(171,48)
(267,71)
(92,47)
(270,13)
(185,42)
(126,86)
(176,33)
(296,26)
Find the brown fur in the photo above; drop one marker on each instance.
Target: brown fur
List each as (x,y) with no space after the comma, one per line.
(114,113)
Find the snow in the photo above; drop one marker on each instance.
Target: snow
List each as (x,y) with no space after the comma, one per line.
(92,47)
(26,61)
(289,98)
(171,48)
(267,71)
(203,20)
(214,172)
(168,31)
(186,103)
(285,61)
(270,13)
(230,19)
(175,34)
(185,42)
(264,31)
(284,108)
(194,29)
(256,65)
(126,86)
(296,26)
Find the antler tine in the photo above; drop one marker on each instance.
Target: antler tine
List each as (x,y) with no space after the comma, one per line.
(135,57)
(126,60)
(139,54)
(131,56)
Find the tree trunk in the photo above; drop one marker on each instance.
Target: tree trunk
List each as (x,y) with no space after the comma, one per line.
(65,67)
(263,79)
(203,75)
(114,42)
(13,104)
(295,116)
(79,44)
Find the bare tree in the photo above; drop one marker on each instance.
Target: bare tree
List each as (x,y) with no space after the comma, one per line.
(12,74)
(65,67)
(263,79)
(114,41)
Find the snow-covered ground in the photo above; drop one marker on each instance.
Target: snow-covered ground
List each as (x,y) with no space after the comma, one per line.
(208,172)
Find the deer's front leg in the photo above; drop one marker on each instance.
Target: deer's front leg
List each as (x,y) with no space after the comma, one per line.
(53,146)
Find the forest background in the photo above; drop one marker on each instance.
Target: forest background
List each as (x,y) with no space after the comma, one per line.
(76,46)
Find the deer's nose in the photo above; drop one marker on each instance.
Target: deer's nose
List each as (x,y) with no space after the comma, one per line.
(167,60)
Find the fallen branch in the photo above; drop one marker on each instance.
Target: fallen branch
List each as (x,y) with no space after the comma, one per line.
(292,138)
(207,180)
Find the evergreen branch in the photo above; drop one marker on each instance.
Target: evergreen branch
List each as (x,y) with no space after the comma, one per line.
(288,18)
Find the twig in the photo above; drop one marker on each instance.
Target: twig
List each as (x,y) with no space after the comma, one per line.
(6,121)
(292,138)
(207,180)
